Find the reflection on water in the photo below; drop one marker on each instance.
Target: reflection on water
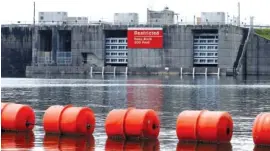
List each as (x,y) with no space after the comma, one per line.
(17,140)
(62,143)
(203,147)
(145,97)
(261,148)
(244,99)
(128,145)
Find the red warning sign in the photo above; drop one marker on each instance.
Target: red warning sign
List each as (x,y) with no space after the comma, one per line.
(145,38)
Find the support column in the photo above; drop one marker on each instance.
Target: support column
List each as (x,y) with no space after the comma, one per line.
(55,38)
(35,45)
(75,53)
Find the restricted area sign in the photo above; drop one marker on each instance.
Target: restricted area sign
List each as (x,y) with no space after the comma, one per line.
(145,38)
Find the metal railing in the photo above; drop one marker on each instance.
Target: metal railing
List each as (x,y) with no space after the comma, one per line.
(64,58)
(140,24)
(44,57)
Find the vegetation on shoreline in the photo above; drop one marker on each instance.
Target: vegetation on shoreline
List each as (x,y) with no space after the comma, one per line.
(265,33)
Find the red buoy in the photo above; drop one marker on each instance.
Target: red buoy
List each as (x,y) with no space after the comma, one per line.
(3,105)
(142,123)
(207,126)
(17,117)
(261,129)
(69,120)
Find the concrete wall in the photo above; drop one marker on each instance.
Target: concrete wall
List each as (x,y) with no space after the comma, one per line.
(88,39)
(230,38)
(84,39)
(163,17)
(16,49)
(257,56)
(126,18)
(178,48)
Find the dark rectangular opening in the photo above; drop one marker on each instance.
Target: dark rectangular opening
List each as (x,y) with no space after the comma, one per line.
(84,56)
(204,31)
(115,33)
(205,65)
(116,65)
(64,40)
(45,40)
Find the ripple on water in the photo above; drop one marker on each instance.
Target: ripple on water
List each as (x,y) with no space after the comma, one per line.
(242,99)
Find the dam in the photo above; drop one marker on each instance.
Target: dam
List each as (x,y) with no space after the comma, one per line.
(103,48)
(75,49)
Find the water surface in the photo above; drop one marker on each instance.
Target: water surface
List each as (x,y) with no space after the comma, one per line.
(243,98)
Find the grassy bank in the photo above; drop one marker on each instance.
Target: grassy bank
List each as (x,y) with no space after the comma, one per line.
(265,33)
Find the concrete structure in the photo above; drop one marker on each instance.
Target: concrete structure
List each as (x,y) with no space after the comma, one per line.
(239,14)
(57,45)
(199,20)
(234,21)
(164,17)
(89,48)
(213,18)
(52,17)
(67,47)
(16,49)
(100,22)
(77,20)
(126,18)
(256,61)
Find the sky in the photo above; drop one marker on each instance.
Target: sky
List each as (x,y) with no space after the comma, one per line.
(22,10)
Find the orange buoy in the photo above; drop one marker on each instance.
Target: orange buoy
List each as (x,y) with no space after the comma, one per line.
(68,119)
(65,142)
(261,129)
(138,145)
(17,117)
(17,140)
(114,124)
(143,123)
(181,146)
(207,126)
(3,105)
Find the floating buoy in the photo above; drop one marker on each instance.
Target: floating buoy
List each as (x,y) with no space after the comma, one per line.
(67,142)
(141,145)
(3,105)
(141,123)
(207,126)
(181,146)
(261,129)
(69,120)
(17,140)
(17,117)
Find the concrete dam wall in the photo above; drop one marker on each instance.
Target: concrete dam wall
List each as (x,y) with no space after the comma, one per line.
(16,50)
(75,49)
(69,47)
(257,57)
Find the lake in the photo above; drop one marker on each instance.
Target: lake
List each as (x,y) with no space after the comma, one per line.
(243,97)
